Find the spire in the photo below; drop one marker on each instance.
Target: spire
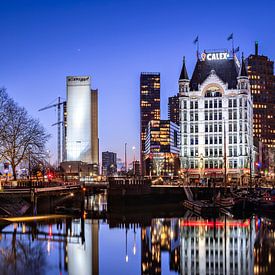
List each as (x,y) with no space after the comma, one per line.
(183,74)
(243,70)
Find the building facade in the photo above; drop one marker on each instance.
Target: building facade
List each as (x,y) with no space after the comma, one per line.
(262,80)
(136,168)
(224,248)
(173,109)
(81,118)
(149,106)
(162,148)
(216,116)
(109,163)
(94,127)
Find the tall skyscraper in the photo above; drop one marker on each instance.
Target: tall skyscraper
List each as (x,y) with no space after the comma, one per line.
(173,109)
(81,121)
(262,80)
(149,106)
(216,116)
(95,141)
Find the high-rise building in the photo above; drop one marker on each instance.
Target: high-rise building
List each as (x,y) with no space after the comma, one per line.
(262,80)
(173,109)
(149,106)
(216,116)
(81,119)
(109,163)
(162,148)
(95,140)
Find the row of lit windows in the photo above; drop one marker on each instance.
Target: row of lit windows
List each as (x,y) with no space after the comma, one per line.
(259,106)
(215,103)
(257,115)
(218,164)
(145,104)
(213,128)
(233,139)
(254,77)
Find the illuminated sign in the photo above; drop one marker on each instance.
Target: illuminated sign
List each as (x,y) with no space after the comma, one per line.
(214,56)
(72,78)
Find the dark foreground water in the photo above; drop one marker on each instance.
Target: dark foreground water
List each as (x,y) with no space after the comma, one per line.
(145,245)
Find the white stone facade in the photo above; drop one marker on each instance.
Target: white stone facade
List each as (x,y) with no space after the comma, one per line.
(215,119)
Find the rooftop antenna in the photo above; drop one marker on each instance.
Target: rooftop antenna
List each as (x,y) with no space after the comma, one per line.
(256,48)
(125,157)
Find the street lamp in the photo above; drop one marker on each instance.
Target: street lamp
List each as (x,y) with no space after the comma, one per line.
(49,156)
(171,161)
(201,166)
(70,167)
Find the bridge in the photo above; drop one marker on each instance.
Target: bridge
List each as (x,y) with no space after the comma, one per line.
(63,188)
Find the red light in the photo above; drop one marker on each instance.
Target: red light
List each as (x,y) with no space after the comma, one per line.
(50,231)
(212,224)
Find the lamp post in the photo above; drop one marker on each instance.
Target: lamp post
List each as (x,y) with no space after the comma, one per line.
(134,153)
(49,156)
(201,166)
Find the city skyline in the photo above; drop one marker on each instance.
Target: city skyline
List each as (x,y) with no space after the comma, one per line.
(32,66)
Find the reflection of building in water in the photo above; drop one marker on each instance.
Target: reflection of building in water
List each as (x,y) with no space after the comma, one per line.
(161,236)
(224,249)
(83,257)
(199,246)
(264,256)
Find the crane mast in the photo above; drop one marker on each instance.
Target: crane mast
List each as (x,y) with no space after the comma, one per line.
(59,123)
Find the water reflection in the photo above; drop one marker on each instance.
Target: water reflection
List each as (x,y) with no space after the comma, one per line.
(182,245)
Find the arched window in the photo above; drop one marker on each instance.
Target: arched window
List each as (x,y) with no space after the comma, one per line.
(213,91)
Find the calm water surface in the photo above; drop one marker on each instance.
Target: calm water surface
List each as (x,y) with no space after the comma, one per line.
(180,245)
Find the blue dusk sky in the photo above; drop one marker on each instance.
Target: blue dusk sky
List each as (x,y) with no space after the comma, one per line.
(43,41)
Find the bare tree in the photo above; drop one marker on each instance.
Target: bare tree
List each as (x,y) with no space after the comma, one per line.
(5,101)
(22,138)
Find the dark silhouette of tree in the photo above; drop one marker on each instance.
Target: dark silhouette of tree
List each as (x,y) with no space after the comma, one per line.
(22,138)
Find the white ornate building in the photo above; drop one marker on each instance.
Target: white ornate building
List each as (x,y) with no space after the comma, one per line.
(216,116)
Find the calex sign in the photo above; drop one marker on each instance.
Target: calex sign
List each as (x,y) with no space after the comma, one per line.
(214,56)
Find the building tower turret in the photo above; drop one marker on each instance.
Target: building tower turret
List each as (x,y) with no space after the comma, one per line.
(243,81)
(184,79)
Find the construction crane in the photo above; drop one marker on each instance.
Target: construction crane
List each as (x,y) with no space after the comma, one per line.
(59,123)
